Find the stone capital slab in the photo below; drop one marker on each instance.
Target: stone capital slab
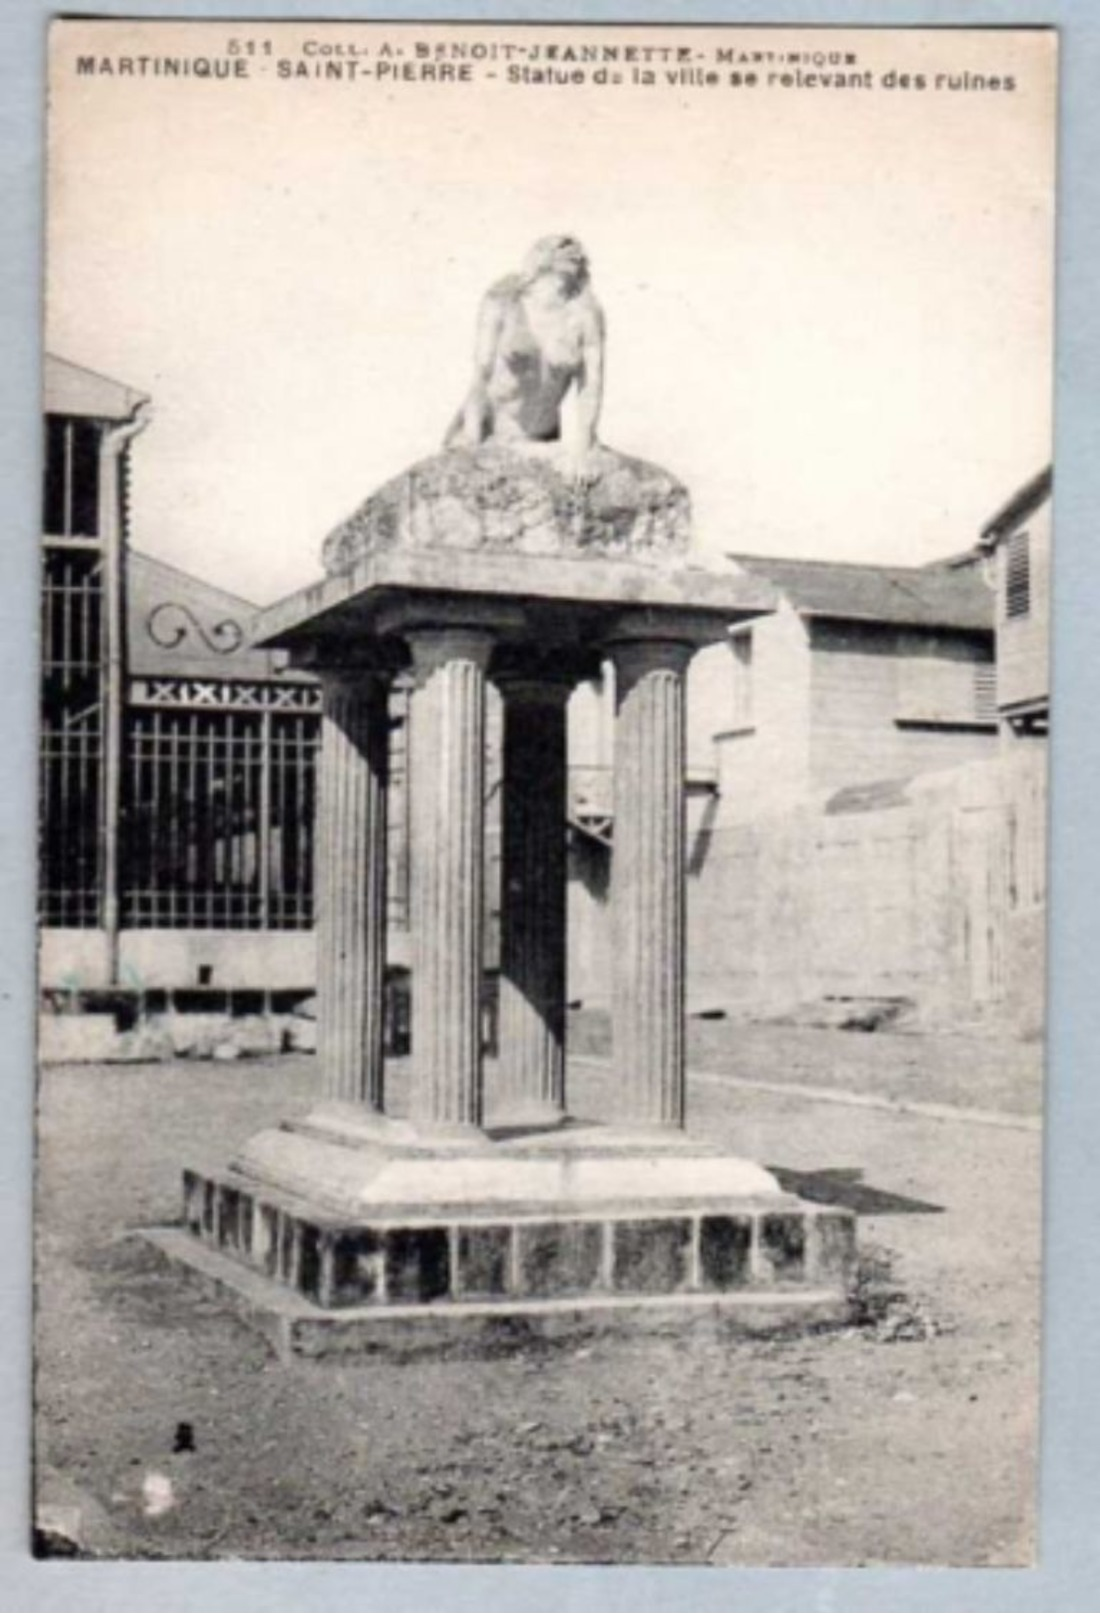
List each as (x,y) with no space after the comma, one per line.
(535,689)
(434,647)
(634,658)
(531,605)
(354,679)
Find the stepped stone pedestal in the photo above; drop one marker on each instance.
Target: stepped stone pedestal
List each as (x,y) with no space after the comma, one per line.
(346,1226)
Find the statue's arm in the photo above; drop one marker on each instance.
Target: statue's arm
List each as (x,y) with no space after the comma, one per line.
(473,425)
(590,378)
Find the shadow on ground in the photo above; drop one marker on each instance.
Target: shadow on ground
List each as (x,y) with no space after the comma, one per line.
(846,1188)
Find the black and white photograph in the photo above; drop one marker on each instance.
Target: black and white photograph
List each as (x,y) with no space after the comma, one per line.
(542,859)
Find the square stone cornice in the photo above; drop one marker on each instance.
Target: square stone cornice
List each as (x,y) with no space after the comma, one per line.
(530,603)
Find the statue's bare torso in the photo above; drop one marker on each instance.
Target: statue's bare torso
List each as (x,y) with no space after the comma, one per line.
(539,334)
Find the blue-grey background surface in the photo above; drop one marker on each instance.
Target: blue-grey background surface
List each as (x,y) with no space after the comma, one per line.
(1069,1575)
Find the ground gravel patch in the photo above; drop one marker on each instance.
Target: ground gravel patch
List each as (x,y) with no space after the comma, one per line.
(905,1437)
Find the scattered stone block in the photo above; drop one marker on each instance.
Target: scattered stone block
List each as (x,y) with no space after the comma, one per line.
(418,1264)
(781,1246)
(484,1262)
(725,1251)
(652,1256)
(561,1257)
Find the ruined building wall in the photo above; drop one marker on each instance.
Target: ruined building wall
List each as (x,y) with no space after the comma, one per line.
(935,893)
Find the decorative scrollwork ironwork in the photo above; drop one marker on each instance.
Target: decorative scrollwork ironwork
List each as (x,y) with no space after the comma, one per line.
(169,624)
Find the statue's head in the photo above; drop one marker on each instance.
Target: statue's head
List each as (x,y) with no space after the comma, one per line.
(560,255)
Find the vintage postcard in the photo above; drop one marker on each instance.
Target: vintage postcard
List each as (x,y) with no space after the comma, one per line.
(545,604)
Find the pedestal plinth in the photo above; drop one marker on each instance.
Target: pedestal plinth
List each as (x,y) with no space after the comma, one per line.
(589,1227)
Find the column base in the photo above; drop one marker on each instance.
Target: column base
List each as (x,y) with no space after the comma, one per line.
(528,1115)
(582,1219)
(356,1127)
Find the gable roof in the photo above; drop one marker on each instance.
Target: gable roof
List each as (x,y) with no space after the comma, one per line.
(70,389)
(938,595)
(178,626)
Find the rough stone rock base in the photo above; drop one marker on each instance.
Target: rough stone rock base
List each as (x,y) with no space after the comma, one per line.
(346,1237)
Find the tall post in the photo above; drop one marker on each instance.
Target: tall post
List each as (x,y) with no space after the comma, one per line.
(113,447)
(647,882)
(263,827)
(351,885)
(447,858)
(533,902)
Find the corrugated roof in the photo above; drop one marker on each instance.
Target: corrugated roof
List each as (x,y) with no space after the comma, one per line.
(909,596)
(70,389)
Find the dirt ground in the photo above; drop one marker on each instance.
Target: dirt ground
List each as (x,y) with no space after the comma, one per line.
(168,1430)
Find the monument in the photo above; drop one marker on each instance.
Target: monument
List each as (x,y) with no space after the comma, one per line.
(528,553)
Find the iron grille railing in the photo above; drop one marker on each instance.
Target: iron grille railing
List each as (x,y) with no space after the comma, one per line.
(72,623)
(70,809)
(292,767)
(217,819)
(71,743)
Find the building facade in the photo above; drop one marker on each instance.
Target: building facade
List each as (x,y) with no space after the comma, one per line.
(177,763)
(865,674)
(178,768)
(1016,545)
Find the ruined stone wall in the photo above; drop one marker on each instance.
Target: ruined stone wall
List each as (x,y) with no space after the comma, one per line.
(932,892)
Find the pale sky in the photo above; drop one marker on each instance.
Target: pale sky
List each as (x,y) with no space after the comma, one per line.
(829,310)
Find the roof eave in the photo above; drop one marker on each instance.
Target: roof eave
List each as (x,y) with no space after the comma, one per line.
(1019,507)
(879,620)
(75,390)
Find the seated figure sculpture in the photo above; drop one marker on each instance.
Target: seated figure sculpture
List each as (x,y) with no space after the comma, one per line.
(539,333)
(519,470)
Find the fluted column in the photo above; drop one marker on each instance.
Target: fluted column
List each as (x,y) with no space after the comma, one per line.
(447,796)
(351,885)
(647,882)
(533,902)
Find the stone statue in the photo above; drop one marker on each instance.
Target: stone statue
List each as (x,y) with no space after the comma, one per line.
(512,474)
(539,333)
